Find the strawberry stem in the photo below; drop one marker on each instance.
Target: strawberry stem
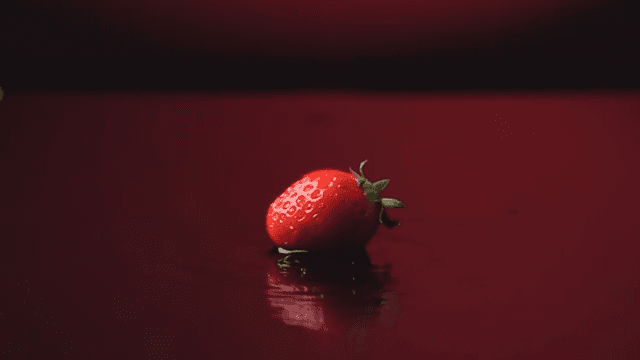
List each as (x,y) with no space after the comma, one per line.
(372,192)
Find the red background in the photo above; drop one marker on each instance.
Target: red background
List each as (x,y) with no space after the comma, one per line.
(518,247)
(142,143)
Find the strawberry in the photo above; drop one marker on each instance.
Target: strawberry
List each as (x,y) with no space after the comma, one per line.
(329,209)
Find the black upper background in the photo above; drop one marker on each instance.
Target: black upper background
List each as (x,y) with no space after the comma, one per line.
(55,48)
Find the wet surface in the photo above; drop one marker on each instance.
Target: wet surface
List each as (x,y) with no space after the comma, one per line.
(136,229)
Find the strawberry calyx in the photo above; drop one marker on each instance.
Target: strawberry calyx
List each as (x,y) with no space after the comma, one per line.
(372,193)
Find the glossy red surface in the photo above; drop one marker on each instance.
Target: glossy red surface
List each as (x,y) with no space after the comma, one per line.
(133,226)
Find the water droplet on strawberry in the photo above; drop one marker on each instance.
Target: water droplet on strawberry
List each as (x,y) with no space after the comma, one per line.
(316,194)
(292,210)
(315,216)
(291,227)
(300,201)
(308,207)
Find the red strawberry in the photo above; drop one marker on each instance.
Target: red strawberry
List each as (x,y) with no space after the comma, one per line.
(329,209)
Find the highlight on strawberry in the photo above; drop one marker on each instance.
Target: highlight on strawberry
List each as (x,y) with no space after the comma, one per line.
(330,209)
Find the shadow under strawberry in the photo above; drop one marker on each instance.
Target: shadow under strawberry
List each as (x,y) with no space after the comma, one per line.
(327,290)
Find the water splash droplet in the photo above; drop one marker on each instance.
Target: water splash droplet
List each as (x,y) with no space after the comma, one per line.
(315,216)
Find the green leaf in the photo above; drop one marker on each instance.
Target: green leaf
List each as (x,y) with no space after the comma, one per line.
(392,203)
(380,185)
(361,166)
(359,178)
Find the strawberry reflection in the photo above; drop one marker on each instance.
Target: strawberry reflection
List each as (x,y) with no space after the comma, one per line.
(330,291)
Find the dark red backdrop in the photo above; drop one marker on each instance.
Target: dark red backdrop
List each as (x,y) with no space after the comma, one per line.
(372,44)
(132,223)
